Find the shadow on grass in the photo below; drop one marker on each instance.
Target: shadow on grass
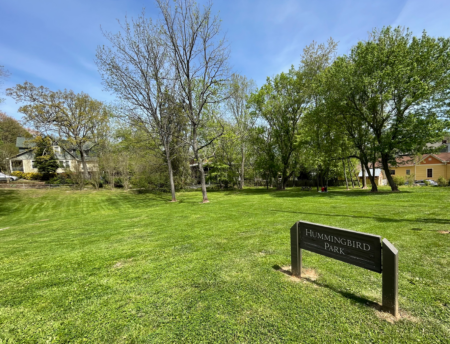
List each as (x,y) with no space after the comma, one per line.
(379,219)
(298,193)
(7,200)
(334,193)
(351,296)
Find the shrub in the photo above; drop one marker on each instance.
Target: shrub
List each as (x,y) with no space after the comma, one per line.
(399,180)
(18,174)
(62,178)
(426,182)
(442,181)
(32,176)
(118,182)
(410,180)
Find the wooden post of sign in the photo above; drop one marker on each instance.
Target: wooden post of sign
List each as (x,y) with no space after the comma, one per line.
(390,278)
(296,252)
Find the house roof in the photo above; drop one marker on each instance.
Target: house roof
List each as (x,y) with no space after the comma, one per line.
(409,160)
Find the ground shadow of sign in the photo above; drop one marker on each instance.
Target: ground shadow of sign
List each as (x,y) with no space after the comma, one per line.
(361,249)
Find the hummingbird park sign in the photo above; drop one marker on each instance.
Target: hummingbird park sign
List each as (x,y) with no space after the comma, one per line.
(367,251)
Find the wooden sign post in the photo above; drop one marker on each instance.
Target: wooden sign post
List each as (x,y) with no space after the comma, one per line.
(360,249)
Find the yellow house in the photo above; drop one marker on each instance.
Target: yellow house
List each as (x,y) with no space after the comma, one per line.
(428,166)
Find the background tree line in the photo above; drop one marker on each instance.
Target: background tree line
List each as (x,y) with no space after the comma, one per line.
(182,113)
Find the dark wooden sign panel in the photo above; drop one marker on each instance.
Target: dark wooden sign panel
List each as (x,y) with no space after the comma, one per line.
(360,249)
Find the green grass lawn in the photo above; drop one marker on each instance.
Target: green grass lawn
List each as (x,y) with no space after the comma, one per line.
(119,267)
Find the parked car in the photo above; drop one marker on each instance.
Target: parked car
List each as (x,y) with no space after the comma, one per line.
(6,177)
(422,182)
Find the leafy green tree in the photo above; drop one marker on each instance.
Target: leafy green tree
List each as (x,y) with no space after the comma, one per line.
(45,159)
(280,104)
(321,141)
(10,129)
(396,86)
(77,118)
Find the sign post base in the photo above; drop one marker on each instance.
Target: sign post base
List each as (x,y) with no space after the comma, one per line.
(390,278)
(296,252)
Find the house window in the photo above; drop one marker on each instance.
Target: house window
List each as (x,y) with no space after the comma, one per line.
(429,173)
(64,164)
(392,172)
(408,172)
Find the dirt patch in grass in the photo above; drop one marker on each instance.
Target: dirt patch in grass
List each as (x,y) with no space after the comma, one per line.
(307,274)
(122,263)
(4,228)
(402,315)
(443,232)
(264,253)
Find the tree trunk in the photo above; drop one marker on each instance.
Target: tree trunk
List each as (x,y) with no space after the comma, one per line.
(385,163)
(285,179)
(242,169)
(202,179)
(363,170)
(357,179)
(371,177)
(172,184)
(83,162)
(345,173)
(350,172)
(317,179)
(200,165)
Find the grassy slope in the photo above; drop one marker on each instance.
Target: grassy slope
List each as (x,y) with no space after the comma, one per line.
(119,267)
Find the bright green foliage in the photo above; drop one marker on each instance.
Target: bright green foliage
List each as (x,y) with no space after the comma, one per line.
(221,174)
(396,86)
(45,159)
(10,129)
(442,181)
(280,103)
(399,180)
(323,144)
(117,267)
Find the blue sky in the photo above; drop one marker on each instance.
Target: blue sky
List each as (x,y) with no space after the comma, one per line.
(53,42)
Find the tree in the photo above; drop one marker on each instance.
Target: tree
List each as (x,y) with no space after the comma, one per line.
(139,70)
(240,91)
(395,86)
(45,159)
(10,129)
(199,56)
(77,118)
(321,139)
(281,103)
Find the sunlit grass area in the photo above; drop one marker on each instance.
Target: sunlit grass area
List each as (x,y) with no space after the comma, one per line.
(114,266)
